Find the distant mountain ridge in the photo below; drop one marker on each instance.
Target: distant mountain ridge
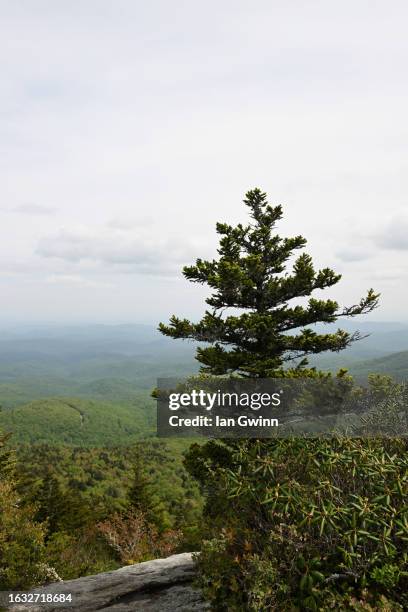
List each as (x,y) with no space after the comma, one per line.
(72,394)
(118,363)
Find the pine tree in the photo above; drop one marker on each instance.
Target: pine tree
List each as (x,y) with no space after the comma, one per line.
(139,496)
(60,510)
(272,336)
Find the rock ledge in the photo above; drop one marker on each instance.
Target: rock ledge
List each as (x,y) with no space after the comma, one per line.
(163,585)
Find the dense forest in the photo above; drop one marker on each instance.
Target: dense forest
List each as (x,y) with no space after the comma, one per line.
(87,510)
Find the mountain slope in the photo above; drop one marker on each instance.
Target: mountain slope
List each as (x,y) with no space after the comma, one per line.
(78,422)
(395,365)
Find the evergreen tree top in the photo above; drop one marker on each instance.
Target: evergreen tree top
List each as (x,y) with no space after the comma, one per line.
(251,275)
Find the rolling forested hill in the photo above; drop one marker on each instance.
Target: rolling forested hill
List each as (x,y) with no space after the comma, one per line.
(79,422)
(90,386)
(395,365)
(113,363)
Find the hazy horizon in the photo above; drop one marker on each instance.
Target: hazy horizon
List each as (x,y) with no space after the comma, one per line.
(77,324)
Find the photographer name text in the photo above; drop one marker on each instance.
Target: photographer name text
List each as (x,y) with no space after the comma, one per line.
(218,421)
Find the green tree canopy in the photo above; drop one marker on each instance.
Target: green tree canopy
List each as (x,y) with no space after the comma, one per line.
(273,330)
(21,536)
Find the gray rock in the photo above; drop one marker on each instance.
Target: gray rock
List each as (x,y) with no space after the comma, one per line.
(163,585)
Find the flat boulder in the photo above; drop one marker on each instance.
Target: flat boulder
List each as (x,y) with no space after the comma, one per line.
(161,585)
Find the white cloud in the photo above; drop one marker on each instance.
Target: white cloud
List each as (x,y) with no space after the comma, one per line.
(392,274)
(142,250)
(76,281)
(394,235)
(34,209)
(30,209)
(351,254)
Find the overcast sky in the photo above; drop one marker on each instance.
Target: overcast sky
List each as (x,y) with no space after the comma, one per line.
(128,128)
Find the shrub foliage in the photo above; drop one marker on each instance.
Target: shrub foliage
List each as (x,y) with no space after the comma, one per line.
(304,524)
